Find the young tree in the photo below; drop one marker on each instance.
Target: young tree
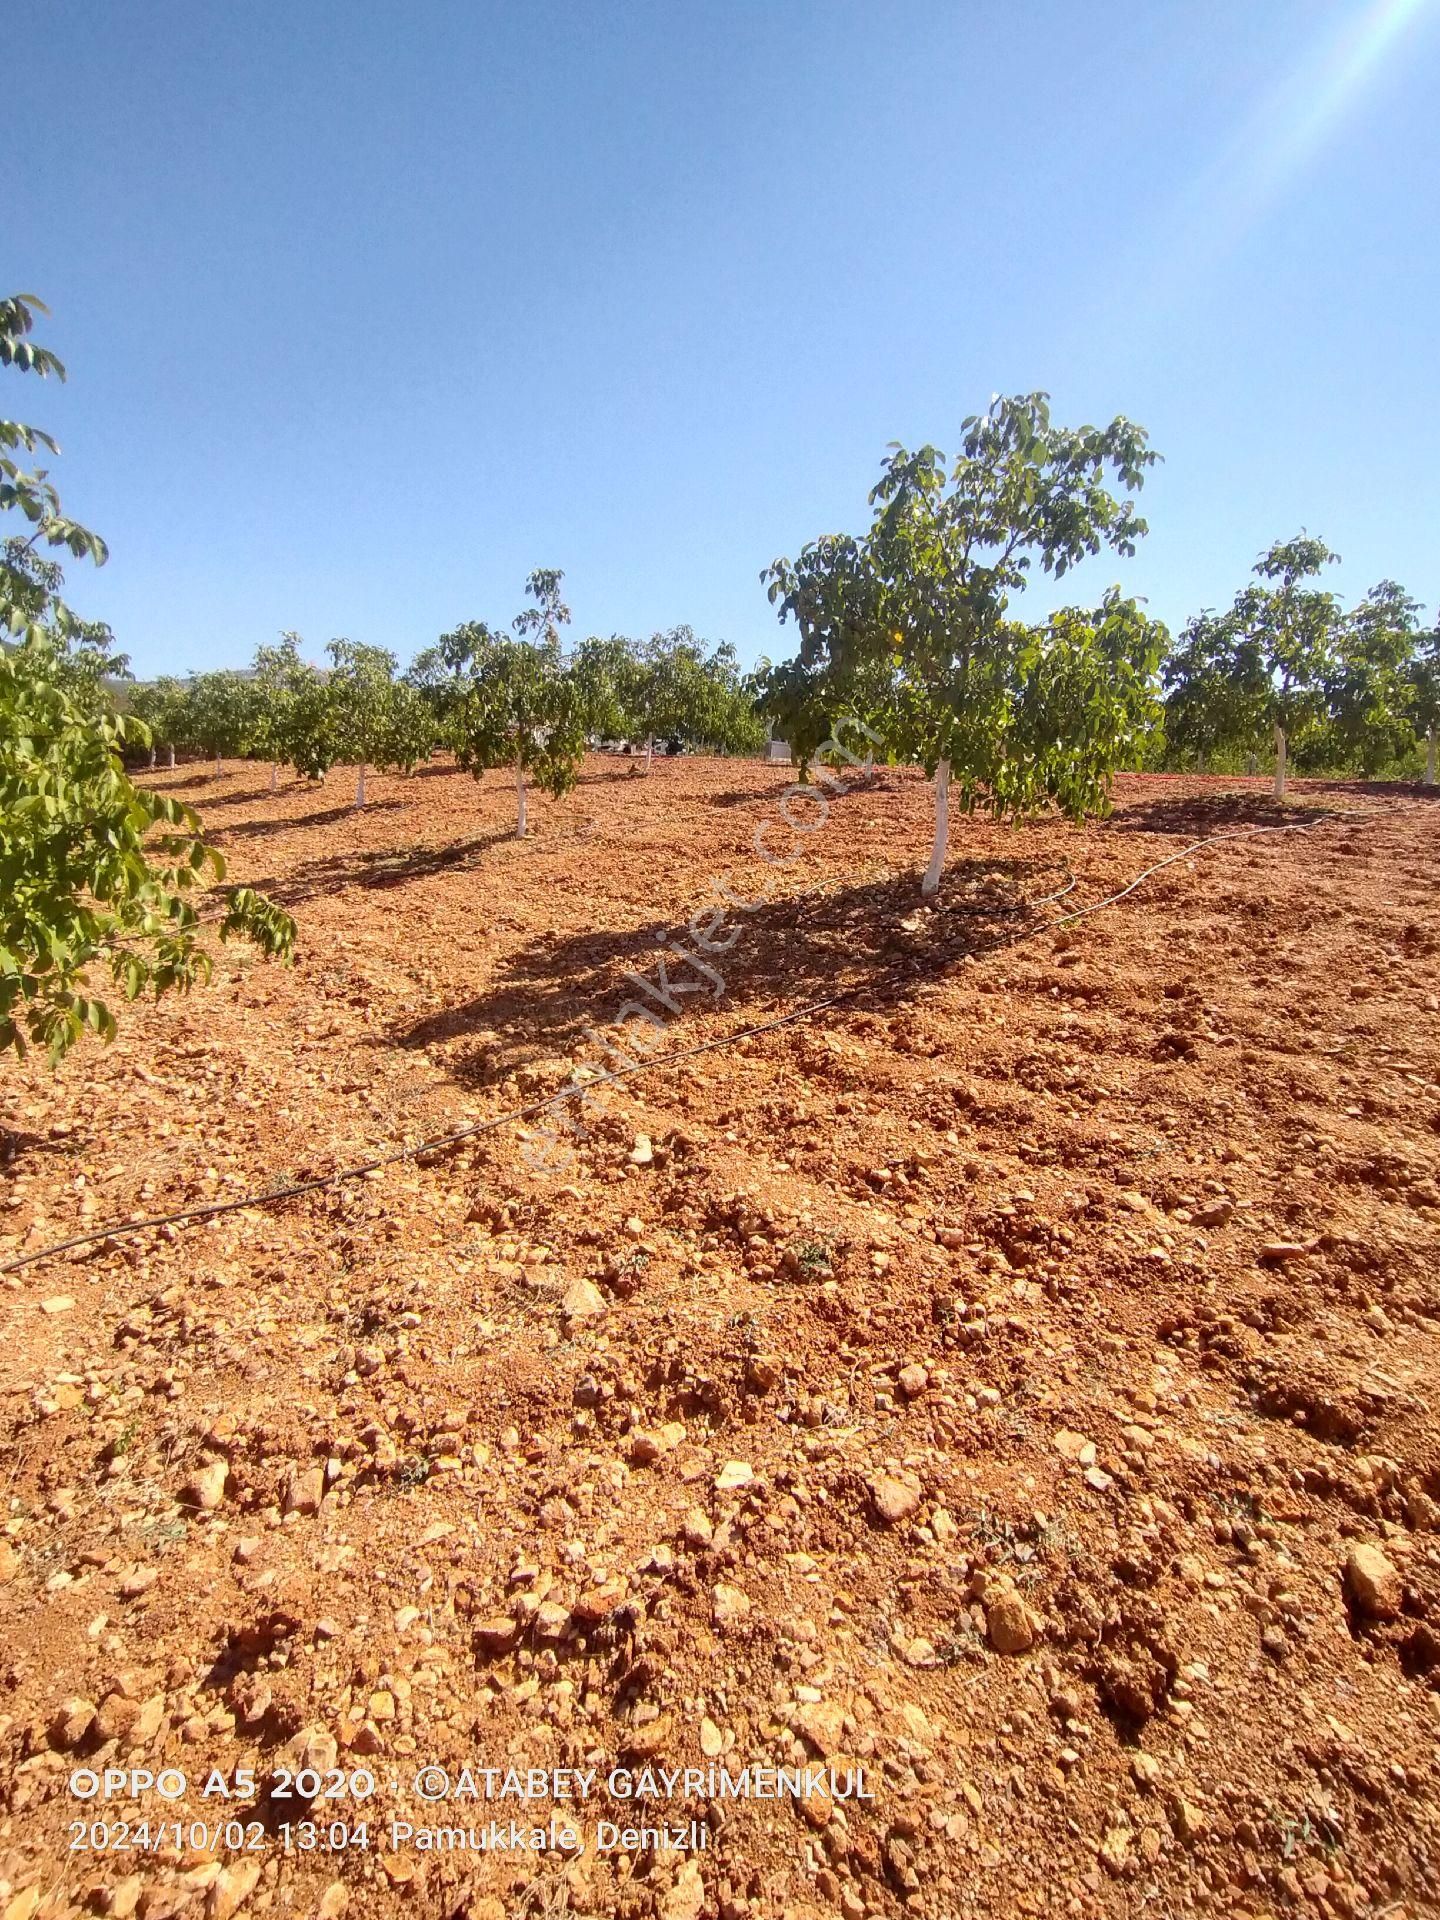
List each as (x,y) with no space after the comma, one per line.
(522,711)
(160,705)
(365,703)
(1368,689)
(927,591)
(1086,699)
(728,722)
(672,688)
(219,715)
(441,674)
(519,707)
(832,593)
(412,729)
(1215,692)
(1424,679)
(277,678)
(1295,628)
(600,670)
(800,703)
(85,878)
(310,744)
(1259,670)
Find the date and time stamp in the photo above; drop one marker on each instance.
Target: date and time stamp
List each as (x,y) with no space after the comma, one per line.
(479,1809)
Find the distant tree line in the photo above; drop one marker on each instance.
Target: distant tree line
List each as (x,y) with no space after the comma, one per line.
(512,699)
(907,628)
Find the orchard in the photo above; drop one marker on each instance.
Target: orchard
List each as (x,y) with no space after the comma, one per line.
(556,1246)
(912,629)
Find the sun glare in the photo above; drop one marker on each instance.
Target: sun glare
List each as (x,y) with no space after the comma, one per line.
(1317,95)
(1276,141)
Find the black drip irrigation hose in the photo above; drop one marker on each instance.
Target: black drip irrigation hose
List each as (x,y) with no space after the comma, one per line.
(443,1142)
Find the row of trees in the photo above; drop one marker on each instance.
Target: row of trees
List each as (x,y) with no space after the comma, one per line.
(1335,688)
(1286,667)
(291,713)
(513,699)
(908,627)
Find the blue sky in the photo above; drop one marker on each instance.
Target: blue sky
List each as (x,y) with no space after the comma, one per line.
(370,309)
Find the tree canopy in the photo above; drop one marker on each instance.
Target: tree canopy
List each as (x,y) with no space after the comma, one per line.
(923,598)
(95,872)
(518,706)
(1260,669)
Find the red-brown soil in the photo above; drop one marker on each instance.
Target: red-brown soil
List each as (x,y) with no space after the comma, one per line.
(1145,1204)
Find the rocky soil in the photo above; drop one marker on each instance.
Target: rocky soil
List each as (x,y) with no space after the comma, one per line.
(1018,1380)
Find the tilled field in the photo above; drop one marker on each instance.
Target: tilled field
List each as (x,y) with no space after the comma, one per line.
(1011,1389)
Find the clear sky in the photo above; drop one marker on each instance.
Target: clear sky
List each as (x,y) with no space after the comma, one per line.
(371,308)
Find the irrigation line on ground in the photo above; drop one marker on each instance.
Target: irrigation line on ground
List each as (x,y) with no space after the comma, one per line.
(209,1210)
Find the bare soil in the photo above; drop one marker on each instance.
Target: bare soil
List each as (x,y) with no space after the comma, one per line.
(1017,1380)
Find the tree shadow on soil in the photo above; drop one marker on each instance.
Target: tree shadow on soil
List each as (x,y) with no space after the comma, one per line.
(1374,789)
(200,797)
(878,942)
(855,789)
(374,868)
(18,1142)
(327,816)
(1197,814)
(177,780)
(606,776)
(1310,800)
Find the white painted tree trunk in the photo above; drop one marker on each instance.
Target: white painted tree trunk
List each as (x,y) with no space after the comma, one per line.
(1279,763)
(274,776)
(152,759)
(360,785)
(216,774)
(1430,757)
(942,828)
(519,801)
(649,751)
(170,762)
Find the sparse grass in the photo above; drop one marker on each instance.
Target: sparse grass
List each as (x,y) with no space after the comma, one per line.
(816,1256)
(1299,1833)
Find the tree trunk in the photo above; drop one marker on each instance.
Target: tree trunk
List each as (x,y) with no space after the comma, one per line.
(274,775)
(649,751)
(1430,756)
(216,774)
(519,801)
(942,828)
(170,762)
(360,785)
(152,759)
(1279,763)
